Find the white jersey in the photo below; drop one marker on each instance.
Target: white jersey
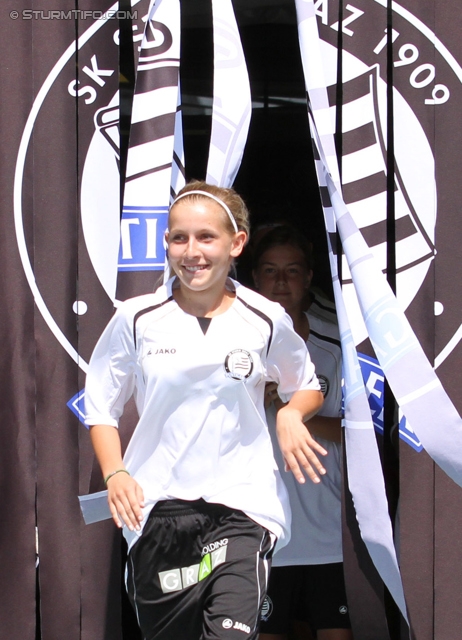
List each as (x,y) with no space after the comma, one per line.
(202,431)
(316,508)
(323,309)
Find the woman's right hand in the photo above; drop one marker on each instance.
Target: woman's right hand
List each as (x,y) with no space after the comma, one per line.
(126,499)
(125,496)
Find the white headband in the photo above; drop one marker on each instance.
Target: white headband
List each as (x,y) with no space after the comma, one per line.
(209,195)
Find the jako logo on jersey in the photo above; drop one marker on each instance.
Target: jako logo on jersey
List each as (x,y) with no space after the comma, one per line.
(267,608)
(213,546)
(343,609)
(324,384)
(178,579)
(240,626)
(238,364)
(156,352)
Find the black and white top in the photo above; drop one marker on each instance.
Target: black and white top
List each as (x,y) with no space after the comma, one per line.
(199,391)
(316,508)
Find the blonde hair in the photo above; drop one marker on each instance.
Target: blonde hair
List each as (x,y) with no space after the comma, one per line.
(228,197)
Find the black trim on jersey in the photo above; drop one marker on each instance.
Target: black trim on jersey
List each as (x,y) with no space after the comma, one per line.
(147,310)
(316,301)
(326,338)
(263,317)
(204,324)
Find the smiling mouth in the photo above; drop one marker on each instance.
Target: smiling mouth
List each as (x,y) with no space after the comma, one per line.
(194,269)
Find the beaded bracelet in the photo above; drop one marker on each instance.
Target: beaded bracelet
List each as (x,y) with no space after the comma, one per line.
(113,474)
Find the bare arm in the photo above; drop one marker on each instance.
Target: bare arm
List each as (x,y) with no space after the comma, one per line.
(125,495)
(297,445)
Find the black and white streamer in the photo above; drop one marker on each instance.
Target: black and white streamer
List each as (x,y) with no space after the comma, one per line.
(365,477)
(232,105)
(415,385)
(364,190)
(364,469)
(155,164)
(178,170)
(413,381)
(150,153)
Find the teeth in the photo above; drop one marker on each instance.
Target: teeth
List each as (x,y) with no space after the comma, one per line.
(194,269)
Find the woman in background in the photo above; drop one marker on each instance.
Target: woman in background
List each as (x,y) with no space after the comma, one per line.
(306,582)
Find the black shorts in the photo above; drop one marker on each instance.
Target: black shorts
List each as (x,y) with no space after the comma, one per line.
(313,593)
(199,572)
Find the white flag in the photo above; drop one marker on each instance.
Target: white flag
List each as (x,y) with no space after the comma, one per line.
(364,470)
(232,105)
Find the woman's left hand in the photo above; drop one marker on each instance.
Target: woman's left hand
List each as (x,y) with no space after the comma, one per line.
(298,447)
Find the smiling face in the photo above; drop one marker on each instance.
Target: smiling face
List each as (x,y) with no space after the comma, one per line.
(282,276)
(200,246)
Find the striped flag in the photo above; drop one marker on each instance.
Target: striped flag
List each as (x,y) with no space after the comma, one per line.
(364,189)
(362,455)
(232,105)
(415,385)
(155,154)
(364,470)
(412,379)
(144,9)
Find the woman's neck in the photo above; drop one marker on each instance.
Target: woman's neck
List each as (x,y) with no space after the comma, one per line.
(301,323)
(203,304)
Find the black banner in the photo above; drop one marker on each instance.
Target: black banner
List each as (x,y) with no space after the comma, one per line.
(427,56)
(17,371)
(60,128)
(397,87)
(59,242)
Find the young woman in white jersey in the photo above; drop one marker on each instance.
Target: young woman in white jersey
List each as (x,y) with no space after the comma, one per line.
(197,492)
(306,589)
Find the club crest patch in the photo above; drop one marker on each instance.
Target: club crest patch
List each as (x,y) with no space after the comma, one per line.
(267,609)
(238,364)
(324,384)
